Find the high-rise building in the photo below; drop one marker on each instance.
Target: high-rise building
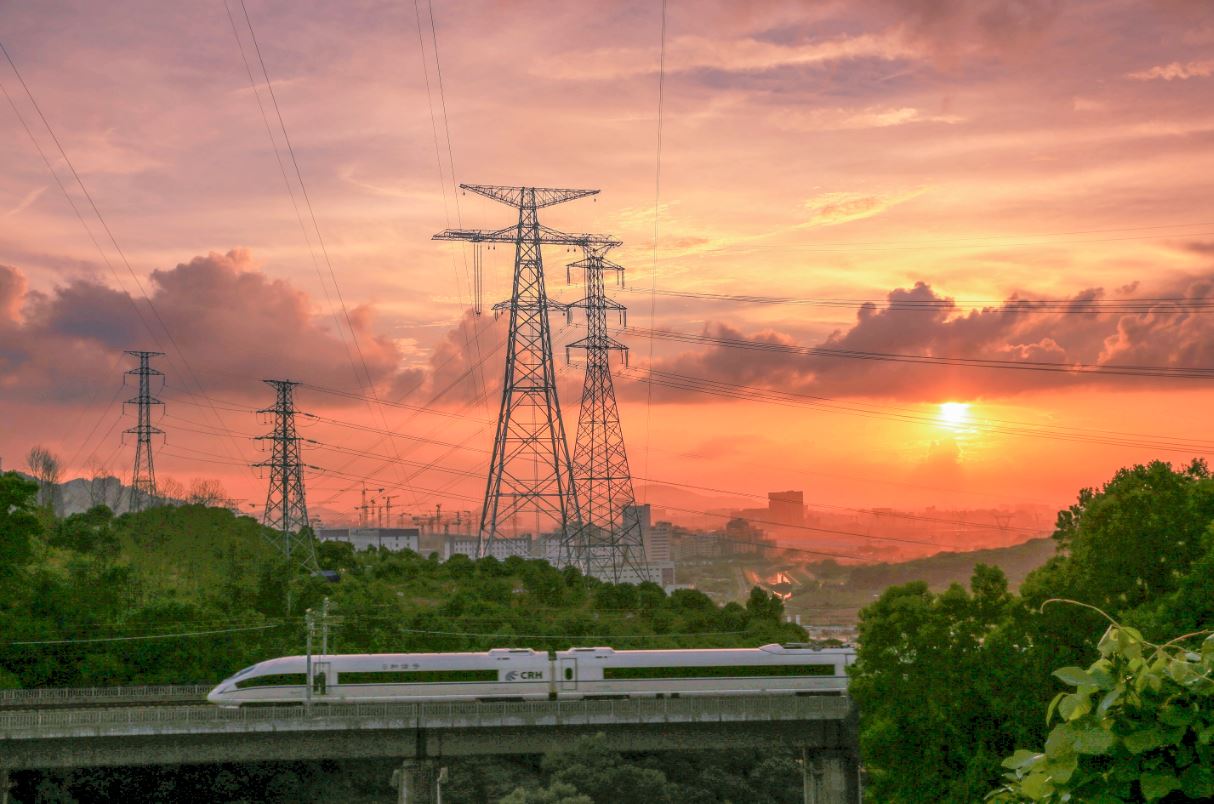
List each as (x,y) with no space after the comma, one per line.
(786,507)
(657,542)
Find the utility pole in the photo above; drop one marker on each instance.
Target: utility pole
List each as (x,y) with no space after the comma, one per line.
(609,543)
(310,623)
(530,470)
(143,475)
(286,508)
(324,628)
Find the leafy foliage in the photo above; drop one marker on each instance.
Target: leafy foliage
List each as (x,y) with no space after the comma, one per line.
(948,684)
(18,523)
(1137,727)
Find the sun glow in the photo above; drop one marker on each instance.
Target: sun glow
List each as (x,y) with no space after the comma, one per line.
(953,415)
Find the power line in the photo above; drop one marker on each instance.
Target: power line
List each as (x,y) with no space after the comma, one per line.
(808,528)
(416,408)
(894,514)
(570,636)
(657,197)
(101,219)
(178,635)
(722,389)
(892,246)
(1006,306)
(369,385)
(1113,369)
(369,429)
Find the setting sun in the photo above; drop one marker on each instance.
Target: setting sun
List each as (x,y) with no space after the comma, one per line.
(954,414)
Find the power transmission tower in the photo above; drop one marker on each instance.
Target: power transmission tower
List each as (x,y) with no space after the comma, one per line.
(286,508)
(610,543)
(143,474)
(530,472)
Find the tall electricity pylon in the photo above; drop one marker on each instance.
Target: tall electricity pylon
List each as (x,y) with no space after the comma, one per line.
(143,474)
(610,544)
(530,472)
(286,508)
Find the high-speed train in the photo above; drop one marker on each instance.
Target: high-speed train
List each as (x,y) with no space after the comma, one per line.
(525,674)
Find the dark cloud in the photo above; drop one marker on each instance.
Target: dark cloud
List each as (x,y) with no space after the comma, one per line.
(469,362)
(1168,332)
(235,326)
(232,324)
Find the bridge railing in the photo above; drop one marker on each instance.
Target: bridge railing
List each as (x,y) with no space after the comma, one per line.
(455,714)
(87,696)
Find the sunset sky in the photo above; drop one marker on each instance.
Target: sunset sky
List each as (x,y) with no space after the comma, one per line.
(828,154)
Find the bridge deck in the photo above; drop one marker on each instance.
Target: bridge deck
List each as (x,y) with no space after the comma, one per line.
(179,734)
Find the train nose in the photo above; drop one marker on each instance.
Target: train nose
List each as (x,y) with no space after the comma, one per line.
(216,696)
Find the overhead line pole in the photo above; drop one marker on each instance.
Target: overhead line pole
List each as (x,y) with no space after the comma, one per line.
(610,540)
(286,510)
(531,471)
(143,473)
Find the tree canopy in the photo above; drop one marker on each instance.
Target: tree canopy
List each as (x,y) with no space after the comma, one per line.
(950,683)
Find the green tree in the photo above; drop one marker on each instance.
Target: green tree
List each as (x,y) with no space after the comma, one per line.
(18,523)
(555,793)
(1138,726)
(921,681)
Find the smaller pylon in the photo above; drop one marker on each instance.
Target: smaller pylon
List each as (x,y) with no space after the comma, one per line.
(286,510)
(143,474)
(609,544)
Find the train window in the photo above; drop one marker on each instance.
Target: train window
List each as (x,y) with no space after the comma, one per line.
(721,671)
(569,674)
(275,680)
(417,677)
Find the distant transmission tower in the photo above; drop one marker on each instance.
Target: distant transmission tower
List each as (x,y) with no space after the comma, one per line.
(530,473)
(143,474)
(286,509)
(610,544)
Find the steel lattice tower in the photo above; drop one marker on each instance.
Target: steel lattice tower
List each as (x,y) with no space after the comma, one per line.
(286,508)
(530,472)
(611,545)
(143,474)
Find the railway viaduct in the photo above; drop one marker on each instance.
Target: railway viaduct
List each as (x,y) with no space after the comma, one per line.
(62,729)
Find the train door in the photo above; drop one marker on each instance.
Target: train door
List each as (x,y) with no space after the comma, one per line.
(320,678)
(568,673)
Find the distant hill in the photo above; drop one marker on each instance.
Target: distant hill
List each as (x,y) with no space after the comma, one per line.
(833,594)
(942,569)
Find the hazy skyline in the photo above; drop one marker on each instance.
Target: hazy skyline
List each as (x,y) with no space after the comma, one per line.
(894,151)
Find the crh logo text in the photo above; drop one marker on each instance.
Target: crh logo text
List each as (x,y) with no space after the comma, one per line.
(525,675)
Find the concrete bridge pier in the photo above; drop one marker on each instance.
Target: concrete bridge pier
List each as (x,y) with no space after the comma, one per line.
(419,781)
(830,777)
(5,785)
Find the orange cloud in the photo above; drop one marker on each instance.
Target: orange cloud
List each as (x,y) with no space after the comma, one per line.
(831,209)
(1176,71)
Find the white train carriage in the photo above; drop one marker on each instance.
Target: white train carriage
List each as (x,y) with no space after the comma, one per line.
(501,673)
(780,669)
(525,674)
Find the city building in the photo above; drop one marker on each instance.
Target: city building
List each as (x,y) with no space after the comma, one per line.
(657,543)
(786,508)
(500,548)
(394,539)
